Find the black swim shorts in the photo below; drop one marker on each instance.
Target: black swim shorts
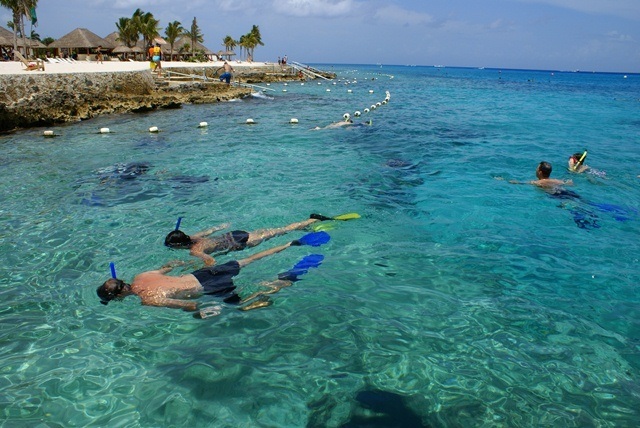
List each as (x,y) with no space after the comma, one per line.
(235,240)
(218,280)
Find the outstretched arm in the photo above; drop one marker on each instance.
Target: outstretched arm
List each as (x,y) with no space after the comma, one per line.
(211,230)
(197,250)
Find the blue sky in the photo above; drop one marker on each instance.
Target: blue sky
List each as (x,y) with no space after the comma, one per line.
(599,35)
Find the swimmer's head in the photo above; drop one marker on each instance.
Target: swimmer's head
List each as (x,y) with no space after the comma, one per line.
(576,160)
(178,239)
(543,170)
(111,289)
(576,157)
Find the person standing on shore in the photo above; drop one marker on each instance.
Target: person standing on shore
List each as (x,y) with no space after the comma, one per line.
(152,64)
(99,57)
(226,76)
(157,54)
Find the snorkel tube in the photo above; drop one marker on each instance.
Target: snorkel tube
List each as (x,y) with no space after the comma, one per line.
(112,266)
(580,162)
(180,220)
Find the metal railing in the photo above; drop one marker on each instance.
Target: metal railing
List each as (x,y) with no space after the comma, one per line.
(307,70)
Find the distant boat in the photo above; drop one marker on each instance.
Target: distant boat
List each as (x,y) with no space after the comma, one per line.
(439,66)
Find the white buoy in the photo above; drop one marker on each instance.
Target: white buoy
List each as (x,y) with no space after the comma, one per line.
(384,102)
(104,130)
(378,104)
(250,122)
(154,129)
(203,125)
(366,110)
(346,116)
(373,106)
(371,91)
(334,83)
(286,84)
(328,90)
(319,83)
(302,84)
(293,120)
(357,114)
(284,90)
(268,84)
(49,134)
(349,91)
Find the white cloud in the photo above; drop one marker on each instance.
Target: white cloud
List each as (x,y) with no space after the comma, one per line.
(617,37)
(238,5)
(324,8)
(397,15)
(622,8)
(128,4)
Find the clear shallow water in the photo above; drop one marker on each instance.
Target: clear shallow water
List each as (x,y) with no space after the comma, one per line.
(457,299)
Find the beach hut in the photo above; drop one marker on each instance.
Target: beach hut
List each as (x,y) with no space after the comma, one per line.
(80,40)
(182,42)
(6,43)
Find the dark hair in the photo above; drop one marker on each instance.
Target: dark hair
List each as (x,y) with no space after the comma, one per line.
(110,290)
(545,169)
(177,238)
(576,156)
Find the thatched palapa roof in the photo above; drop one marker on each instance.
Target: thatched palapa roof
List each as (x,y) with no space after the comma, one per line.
(6,39)
(187,41)
(81,38)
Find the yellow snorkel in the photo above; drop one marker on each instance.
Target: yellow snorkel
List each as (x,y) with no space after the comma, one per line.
(577,164)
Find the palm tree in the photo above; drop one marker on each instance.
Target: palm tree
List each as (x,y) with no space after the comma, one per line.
(173,31)
(242,43)
(20,9)
(146,25)
(127,33)
(194,34)
(229,43)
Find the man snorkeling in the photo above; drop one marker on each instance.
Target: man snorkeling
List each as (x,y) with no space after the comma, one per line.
(199,245)
(156,288)
(544,180)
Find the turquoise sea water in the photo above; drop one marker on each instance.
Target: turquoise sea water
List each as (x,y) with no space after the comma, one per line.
(456,300)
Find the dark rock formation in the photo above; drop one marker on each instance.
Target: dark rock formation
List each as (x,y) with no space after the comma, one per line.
(48,99)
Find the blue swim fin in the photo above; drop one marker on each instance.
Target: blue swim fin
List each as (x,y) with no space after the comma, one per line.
(313,239)
(302,267)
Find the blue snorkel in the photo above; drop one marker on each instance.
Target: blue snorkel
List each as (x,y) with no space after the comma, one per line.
(178,223)
(112,266)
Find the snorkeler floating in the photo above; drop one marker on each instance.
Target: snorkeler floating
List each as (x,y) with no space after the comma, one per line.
(155,288)
(583,216)
(200,246)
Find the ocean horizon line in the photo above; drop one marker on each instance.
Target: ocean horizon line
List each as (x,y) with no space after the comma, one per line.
(577,71)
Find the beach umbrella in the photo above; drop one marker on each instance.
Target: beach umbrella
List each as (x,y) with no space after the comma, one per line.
(159,40)
(122,49)
(227,54)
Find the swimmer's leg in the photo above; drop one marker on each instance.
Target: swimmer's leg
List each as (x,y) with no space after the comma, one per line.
(258,236)
(262,302)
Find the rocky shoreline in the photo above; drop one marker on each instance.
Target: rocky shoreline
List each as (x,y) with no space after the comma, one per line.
(31,100)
